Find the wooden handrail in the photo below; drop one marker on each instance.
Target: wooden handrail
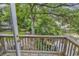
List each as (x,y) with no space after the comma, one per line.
(35,36)
(73,40)
(45,37)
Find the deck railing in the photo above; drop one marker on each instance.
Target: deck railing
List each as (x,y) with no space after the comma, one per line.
(59,45)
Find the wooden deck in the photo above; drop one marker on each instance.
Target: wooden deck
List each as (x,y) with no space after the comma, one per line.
(33,53)
(40,45)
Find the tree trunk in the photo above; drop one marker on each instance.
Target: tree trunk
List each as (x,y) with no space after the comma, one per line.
(32,27)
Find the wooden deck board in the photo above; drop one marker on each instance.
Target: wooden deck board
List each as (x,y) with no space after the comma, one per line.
(33,53)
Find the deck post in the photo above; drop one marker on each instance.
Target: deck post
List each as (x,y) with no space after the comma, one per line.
(15,28)
(5,45)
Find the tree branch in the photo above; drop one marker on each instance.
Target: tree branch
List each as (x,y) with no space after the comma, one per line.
(51,13)
(60,5)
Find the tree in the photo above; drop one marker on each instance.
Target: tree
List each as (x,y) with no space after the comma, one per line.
(43,18)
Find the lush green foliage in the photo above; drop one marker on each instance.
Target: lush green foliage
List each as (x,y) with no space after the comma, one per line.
(42,19)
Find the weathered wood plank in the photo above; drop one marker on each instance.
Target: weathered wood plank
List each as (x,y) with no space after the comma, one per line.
(32,51)
(60,41)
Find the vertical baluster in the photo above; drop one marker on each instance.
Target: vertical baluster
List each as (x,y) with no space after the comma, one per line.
(48,44)
(33,43)
(29,43)
(2,43)
(78,52)
(60,45)
(25,42)
(42,44)
(13,43)
(54,44)
(68,48)
(51,43)
(24,39)
(8,44)
(5,44)
(38,44)
(45,44)
(74,50)
(63,45)
(57,44)
(22,43)
(71,48)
